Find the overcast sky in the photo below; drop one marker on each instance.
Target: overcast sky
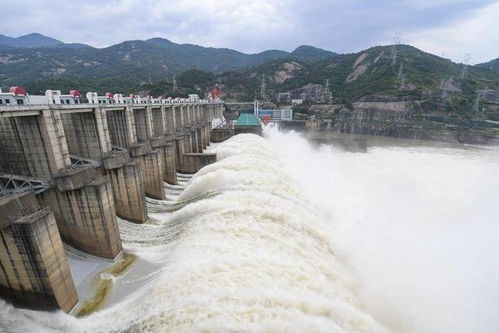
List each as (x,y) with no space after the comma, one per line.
(450,27)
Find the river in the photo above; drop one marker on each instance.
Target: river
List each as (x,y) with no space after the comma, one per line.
(283,236)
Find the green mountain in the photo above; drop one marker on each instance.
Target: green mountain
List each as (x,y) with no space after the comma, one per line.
(402,72)
(30,40)
(411,72)
(385,90)
(311,54)
(492,65)
(127,64)
(381,73)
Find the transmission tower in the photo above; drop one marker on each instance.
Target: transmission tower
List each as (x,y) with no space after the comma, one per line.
(175,87)
(327,96)
(401,76)
(396,42)
(263,87)
(464,68)
(445,92)
(476,104)
(445,89)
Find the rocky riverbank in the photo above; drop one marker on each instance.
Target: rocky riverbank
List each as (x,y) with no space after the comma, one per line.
(401,118)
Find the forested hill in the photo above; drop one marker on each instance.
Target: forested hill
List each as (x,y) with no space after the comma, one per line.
(148,67)
(124,65)
(492,65)
(30,40)
(411,72)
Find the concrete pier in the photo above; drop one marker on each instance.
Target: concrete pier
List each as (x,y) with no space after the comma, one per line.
(179,152)
(167,156)
(33,268)
(170,133)
(87,136)
(130,128)
(34,144)
(128,192)
(86,217)
(87,164)
(150,165)
(162,139)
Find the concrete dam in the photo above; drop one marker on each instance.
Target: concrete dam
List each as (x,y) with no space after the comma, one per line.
(68,171)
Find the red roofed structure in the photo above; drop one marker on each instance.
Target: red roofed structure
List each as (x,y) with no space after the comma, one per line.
(18,91)
(215,93)
(75,93)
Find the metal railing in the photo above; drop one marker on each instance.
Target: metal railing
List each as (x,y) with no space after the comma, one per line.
(10,184)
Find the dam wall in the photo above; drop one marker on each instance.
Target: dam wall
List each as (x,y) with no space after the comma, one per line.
(88,164)
(33,266)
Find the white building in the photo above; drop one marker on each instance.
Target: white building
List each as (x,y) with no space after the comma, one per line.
(157,100)
(193,98)
(118,98)
(106,99)
(15,96)
(19,96)
(130,99)
(168,100)
(138,100)
(94,98)
(286,114)
(275,115)
(55,97)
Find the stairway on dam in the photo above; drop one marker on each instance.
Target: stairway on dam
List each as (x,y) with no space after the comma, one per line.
(67,172)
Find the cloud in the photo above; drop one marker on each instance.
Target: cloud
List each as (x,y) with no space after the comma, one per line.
(249,26)
(476,34)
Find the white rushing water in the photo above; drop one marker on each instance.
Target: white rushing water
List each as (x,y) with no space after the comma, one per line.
(280,237)
(418,225)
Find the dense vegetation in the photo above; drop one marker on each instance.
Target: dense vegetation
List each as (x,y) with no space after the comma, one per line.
(123,66)
(491,65)
(30,40)
(147,67)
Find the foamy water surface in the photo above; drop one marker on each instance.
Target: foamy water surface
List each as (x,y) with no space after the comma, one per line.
(278,236)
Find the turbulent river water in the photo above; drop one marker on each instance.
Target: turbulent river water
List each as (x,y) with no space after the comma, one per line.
(281,236)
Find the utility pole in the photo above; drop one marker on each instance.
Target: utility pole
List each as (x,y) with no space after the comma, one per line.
(255,107)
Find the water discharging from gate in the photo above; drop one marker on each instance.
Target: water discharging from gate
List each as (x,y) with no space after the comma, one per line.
(280,237)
